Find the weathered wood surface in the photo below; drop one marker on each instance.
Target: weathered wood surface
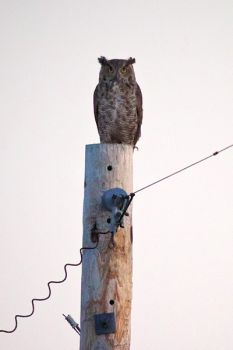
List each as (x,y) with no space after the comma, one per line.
(107,270)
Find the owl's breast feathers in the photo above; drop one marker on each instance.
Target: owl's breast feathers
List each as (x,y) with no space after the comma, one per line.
(118,113)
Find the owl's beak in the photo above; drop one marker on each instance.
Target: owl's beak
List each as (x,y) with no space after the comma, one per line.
(113,80)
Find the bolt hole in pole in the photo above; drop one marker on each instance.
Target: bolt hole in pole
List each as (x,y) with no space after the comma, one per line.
(111,302)
(108,220)
(109,167)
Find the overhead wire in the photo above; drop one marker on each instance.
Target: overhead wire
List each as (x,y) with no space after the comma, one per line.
(182,169)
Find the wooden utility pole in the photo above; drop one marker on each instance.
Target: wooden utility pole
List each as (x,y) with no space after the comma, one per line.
(106,290)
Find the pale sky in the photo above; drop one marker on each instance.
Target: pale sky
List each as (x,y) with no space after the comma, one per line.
(183,227)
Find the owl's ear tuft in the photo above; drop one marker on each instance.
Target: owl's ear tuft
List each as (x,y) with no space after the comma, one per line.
(131,60)
(103,60)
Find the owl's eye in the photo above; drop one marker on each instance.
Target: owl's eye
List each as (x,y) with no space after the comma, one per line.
(123,70)
(110,69)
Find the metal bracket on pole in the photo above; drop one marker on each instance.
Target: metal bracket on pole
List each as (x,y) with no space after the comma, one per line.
(105,323)
(117,201)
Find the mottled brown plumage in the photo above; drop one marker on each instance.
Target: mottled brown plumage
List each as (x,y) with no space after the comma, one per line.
(118,102)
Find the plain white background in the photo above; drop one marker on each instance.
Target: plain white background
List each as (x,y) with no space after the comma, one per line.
(183,262)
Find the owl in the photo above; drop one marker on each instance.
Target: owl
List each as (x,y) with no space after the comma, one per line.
(118,102)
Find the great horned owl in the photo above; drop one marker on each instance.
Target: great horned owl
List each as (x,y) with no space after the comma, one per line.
(118,102)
